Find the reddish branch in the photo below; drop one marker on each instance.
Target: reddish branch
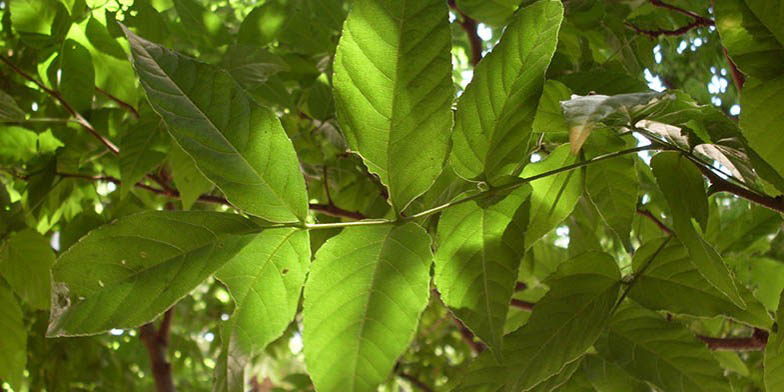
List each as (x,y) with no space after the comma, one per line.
(524,305)
(719,184)
(57,96)
(469,25)
(157,342)
(123,104)
(655,220)
(756,342)
(468,336)
(697,21)
(167,191)
(413,380)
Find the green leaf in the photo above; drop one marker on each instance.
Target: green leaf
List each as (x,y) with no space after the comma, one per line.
(553,197)
(751,45)
(140,152)
(612,186)
(771,14)
(565,323)
(126,273)
(396,113)
(189,181)
(494,12)
(77,81)
(664,353)
(33,16)
(496,111)
(25,260)
(13,345)
(759,124)
(366,289)
(672,283)
(549,115)
(17,144)
(479,253)
(9,110)
(263,24)
(609,377)
(239,145)
(113,71)
(583,114)
(684,188)
(774,354)
(201,24)
(265,279)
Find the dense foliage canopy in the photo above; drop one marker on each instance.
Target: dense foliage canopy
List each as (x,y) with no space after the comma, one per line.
(354,195)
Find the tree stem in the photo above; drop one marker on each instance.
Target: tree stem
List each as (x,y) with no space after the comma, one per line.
(157,343)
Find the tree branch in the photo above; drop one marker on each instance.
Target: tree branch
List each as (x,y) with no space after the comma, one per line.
(697,21)
(524,305)
(157,343)
(127,106)
(167,191)
(655,220)
(469,25)
(756,342)
(467,335)
(719,184)
(413,380)
(57,96)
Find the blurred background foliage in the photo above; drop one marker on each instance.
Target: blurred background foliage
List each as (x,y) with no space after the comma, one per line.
(59,182)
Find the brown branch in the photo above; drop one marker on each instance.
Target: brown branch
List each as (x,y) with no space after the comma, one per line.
(335,211)
(695,16)
(468,336)
(413,380)
(175,194)
(157,343)
(756,342)
(57,96)
(524,305)
(656,33)
(520,286)
(125,105)
(719,184)
(697,21)
(655,220)
(469,25)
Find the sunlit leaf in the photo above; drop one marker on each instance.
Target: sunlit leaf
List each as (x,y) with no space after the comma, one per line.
(496,111)
(366,289)
(396,114)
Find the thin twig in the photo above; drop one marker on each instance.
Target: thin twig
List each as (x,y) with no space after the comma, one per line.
(524,305)
(697,21)
(756,342)
(468,336)
(175,194)
(737,76)
(469,25)
(655,220)
(57,96)
(413,380)
(125,105)
(719,184)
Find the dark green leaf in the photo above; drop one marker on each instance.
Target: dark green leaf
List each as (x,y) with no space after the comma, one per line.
(684,188)
(13,345)
(670,282)
(564,324)
(663,353)
(25,260)
(774,354)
